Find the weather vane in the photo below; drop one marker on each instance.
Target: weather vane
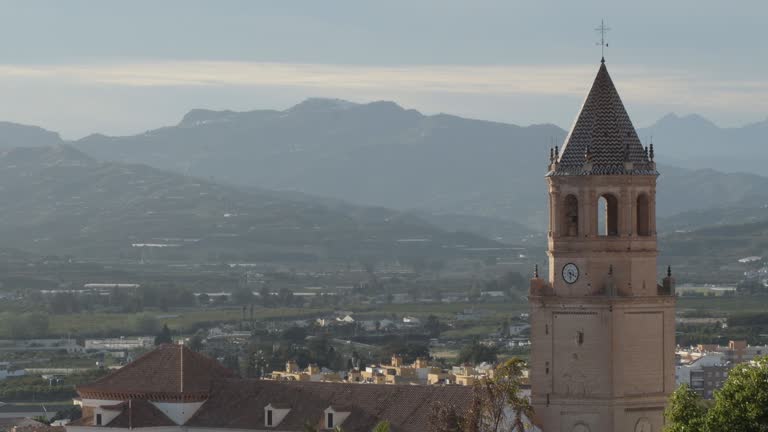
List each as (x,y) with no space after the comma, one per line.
(603,30)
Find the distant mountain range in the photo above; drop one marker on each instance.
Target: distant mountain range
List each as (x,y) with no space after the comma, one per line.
(374,154)
(58,200)
(444,168)
(694,142)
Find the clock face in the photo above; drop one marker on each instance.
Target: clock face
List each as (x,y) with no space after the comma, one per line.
(643,425)
(570,273)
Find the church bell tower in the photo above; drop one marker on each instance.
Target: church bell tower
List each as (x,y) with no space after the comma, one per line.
(602,328)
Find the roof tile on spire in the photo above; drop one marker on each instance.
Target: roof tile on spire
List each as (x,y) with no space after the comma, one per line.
(603,126)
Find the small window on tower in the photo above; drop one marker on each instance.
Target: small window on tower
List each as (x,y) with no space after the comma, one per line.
(546,368)
(580,337)
(98,419)
(546,328)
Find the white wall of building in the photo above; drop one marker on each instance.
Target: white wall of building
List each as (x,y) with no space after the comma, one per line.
(179,413)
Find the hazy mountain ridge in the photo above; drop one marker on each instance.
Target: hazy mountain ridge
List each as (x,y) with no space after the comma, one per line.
(59,200)
(374,154)
(380,154)
(15,135)
(694,142)
(722,242)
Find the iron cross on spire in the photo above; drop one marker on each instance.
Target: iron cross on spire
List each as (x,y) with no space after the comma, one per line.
(603,30)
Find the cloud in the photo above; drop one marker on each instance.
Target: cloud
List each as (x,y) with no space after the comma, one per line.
(638,84)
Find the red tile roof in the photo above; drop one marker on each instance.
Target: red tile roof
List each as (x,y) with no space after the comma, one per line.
(175,373)
(170,372)
(239,404)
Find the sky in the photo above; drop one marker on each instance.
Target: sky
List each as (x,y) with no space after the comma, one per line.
(123,67)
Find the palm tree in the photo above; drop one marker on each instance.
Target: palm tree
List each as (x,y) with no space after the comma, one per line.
(382,426)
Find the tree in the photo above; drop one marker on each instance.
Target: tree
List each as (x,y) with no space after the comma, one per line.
(265,296)
(196,342)
(742,404)
(72,413)
(493,399)
(164,337)
(146,324)
(432,326)
(493,396)
(382,426)
(37,323)
(285,297)
(477,353)
(242,296)
(445,418)
(409,351)
(295,334)
(204,299)
(685,411)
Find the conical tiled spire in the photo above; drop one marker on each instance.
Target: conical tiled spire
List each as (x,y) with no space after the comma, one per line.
(604,130)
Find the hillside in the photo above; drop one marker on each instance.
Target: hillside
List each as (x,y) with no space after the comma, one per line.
(16,135)
(57,200)
(703,197)
(375,154)
(382,154)
(710,255)
(379,154)
(694,142)
(724,241)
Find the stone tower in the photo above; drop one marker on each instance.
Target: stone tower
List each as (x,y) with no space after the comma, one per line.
(603,330)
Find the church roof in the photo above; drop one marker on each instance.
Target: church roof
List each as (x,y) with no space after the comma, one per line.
(170,372)
(239,404)
(603,140)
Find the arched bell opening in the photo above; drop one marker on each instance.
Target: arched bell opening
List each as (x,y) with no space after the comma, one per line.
(571,216)
(607,216)
(643,216)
